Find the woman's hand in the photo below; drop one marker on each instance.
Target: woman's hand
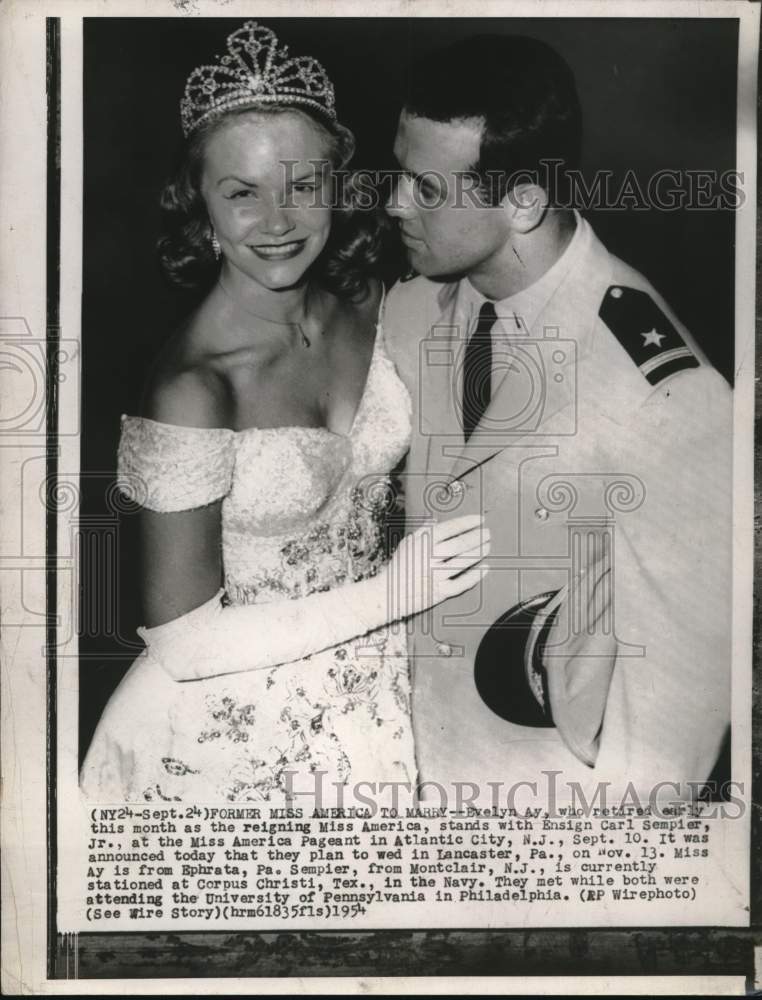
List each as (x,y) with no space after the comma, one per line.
(434,563)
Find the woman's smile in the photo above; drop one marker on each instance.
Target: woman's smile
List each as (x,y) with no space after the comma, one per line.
(279,251)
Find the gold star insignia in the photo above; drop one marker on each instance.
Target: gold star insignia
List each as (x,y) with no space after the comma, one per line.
(653,337)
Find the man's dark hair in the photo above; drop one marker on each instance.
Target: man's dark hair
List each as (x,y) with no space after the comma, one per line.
(524,92)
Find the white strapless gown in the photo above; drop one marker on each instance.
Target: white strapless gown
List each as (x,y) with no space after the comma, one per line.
(303,511)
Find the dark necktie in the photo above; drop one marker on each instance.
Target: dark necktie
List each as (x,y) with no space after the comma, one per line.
(477,370)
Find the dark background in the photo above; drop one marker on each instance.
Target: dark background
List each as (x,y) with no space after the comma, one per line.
(656,94)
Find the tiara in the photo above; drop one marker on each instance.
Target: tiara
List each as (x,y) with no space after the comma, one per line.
(255,70)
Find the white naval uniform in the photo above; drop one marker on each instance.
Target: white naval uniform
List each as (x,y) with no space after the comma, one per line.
(589,420)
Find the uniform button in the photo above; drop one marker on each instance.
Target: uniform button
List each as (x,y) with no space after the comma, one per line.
(616,293)
(541,514)
(457,489)
(444,649)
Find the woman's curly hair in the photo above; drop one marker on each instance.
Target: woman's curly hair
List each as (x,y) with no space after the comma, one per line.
(354,250)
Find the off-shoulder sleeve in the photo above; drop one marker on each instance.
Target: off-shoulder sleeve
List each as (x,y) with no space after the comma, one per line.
(168,468)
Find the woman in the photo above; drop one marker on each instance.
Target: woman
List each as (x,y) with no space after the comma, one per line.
(261,460)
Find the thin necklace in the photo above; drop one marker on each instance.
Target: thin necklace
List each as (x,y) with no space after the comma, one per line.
(267,319)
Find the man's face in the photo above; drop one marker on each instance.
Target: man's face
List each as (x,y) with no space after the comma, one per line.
(446,230)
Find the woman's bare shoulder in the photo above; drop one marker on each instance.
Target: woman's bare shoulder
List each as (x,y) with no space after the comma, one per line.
(188,398)
(184,386)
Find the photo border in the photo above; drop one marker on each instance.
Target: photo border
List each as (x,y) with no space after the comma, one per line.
(631,951)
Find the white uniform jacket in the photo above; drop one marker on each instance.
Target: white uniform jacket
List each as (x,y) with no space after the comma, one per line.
(602,466)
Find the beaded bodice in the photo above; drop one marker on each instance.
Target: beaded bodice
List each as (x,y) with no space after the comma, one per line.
(302,507)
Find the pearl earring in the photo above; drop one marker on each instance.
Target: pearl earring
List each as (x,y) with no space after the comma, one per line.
(216,248)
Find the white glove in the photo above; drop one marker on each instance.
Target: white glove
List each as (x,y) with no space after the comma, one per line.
(429,566)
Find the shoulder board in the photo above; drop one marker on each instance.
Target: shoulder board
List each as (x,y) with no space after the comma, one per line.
(646,333)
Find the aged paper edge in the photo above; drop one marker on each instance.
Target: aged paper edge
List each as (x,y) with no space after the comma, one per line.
(22,260)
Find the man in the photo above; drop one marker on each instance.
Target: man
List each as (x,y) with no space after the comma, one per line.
(556,392)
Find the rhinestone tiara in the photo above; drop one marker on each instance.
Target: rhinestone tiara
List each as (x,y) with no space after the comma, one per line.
(256,70)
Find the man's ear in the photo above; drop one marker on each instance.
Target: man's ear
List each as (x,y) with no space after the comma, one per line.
(525,205)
